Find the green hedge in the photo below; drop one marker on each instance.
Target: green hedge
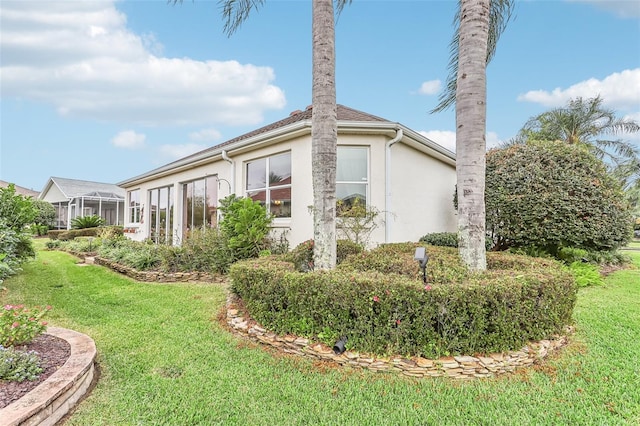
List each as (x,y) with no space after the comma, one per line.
(377,302)
(70,234)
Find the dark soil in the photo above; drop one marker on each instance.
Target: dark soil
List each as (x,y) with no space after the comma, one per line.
(53,353)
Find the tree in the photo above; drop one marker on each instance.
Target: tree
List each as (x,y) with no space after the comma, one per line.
(324,125)
(479,24)
(588,122)
(45,213)
(16,210)
(549,195)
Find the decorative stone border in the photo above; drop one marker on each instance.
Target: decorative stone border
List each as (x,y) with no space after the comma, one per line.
(55,397)
(458,367)
(153,276)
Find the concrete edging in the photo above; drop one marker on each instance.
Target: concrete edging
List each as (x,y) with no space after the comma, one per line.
(55,397)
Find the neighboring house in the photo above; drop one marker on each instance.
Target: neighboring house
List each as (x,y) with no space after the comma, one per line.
(76,198)
(20,189)
(407,177)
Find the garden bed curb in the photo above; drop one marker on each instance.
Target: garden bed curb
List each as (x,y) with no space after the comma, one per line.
(457,367)
(55,397)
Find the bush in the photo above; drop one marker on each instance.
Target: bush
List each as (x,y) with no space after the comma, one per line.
(302,255)
(18,366)
(441,239)
(45,214)
(245,225)
(551,195)
(54,234)
(15,248)
(378,301)
(448,239)
(586,274)
(16,210)
(20,325)
(73,233)
(82,222)
(205,250)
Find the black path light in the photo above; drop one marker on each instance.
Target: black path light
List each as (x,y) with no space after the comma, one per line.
(340,345)
(422,257)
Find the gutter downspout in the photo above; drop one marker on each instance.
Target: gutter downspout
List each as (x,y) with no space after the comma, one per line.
(387,184)
(226,158)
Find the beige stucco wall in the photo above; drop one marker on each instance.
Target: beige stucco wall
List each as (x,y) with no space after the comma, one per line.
(421,189)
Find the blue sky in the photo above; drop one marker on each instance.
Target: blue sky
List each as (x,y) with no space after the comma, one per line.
(107,90)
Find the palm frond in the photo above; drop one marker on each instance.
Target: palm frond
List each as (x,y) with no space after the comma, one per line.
(235,12)
(500,14)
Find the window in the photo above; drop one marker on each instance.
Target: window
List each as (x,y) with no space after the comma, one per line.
(161,205)
(269,182)
(200,203)
(134,206)
(352,176)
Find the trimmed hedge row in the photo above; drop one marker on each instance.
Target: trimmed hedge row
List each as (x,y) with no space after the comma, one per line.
(70,234)
(376,301)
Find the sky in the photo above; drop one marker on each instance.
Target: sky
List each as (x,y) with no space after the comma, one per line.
(107,90)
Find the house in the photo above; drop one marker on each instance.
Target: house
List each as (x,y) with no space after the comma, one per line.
(21,190)
(76,198)
(407,177)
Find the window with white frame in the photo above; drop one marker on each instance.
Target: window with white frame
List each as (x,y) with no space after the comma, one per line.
(134,206)
(200,203)
(161,211)
(268,180)
(352,176)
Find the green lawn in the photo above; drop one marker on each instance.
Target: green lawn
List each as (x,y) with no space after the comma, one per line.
(164,360)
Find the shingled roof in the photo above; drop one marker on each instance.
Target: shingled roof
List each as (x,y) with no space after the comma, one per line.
(73,188)
(343,113)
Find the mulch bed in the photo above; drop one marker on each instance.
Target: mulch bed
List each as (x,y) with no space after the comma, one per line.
(53,353)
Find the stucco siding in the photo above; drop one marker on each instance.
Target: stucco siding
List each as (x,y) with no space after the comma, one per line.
(421,195)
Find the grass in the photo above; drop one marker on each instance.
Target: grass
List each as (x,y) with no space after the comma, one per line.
(165,360)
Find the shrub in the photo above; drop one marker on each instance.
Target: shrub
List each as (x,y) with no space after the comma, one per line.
(383,308)
(302,255)
(73,233)
(53,244)
(18,366)
(204,250)
(45,214)
(16,210)
(356,221)
(551,195)
(54,234)
(245,225)
(586,274)
(20,325)
(15,248)
(448,239)
(82,222)
(441,239)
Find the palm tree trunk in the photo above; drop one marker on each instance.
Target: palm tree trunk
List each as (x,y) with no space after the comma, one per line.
(471,114)
(324,135)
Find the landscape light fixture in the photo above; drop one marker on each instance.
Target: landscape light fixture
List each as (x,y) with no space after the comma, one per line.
(422,257)
(340,345)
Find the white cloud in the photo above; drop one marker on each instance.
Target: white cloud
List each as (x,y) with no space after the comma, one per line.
(174,152)
(205,135)
(444,138)
(620,90)
(447,138)
(430,87)
(129,139)
(622,8)
(81,58)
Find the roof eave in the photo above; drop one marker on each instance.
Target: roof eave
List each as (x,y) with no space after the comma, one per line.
(273,136)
